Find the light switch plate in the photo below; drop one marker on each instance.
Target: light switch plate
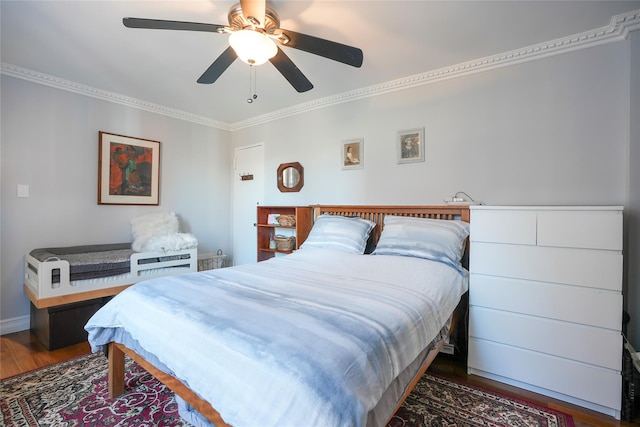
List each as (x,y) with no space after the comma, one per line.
(23,190)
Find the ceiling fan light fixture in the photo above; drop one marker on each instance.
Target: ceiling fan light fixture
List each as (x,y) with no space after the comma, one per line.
(253,47)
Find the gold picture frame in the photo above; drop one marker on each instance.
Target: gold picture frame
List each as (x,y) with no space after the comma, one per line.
(128,170)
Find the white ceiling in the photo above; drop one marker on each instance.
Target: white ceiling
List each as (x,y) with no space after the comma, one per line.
(85,42)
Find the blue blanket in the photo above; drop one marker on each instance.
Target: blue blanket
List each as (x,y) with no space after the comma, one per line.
(310,339)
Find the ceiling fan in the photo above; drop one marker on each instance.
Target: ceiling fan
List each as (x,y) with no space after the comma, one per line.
(255,37)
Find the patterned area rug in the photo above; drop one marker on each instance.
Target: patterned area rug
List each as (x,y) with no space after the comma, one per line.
(74,393)
(437,401)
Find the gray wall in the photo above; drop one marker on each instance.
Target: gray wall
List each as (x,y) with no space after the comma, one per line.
(548,132)
(50,142)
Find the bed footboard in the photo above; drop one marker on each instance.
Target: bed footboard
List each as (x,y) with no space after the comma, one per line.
(116,385)
(116,378)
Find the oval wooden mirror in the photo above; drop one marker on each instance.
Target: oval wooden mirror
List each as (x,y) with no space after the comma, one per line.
(290,177)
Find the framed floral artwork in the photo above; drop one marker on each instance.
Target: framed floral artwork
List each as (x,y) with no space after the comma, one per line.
(128,170)
(410,145)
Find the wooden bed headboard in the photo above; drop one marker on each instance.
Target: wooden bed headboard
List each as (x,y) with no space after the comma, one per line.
(377,213)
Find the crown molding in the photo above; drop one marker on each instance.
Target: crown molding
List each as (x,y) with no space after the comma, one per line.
(617,30)
(58,83)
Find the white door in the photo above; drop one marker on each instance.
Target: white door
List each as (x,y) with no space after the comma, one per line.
(248,193)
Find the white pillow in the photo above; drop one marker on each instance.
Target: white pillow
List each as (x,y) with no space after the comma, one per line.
(145,227)
(433,239)
(170,242)
(340,232)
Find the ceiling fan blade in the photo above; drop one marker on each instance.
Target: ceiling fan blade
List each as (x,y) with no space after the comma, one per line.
(337,51)
(218,67)
(254,11)
(291,72)
(160,24)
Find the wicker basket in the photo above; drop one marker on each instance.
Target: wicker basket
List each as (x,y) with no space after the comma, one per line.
(286,220)
(284,243)
(211,261)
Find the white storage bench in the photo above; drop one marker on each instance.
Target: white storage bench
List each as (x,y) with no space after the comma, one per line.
(67,285)
(49,280)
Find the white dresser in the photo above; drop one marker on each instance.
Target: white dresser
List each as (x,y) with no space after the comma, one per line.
(545,301)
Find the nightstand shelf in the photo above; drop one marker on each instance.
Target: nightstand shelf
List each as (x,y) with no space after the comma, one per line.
(266,230)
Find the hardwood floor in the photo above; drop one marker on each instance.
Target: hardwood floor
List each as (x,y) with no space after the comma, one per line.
(21,352)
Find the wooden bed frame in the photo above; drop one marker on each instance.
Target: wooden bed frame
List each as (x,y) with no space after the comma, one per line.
(116,351)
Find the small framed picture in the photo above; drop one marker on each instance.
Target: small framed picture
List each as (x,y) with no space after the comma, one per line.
(353,154)
(128,170)
(410,145)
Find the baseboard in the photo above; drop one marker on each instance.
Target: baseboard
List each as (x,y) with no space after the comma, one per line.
(16,324)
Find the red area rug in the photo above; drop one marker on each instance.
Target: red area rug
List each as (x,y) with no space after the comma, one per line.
(437,401)
(74,393)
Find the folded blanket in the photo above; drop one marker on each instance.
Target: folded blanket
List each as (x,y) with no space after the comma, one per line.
(89,261)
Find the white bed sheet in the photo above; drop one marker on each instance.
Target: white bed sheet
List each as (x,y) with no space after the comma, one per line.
(313,338)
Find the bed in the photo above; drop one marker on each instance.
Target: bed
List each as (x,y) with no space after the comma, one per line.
(323,336)
(55,276)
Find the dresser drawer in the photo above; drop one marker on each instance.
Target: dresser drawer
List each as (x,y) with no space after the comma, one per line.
(586,382)
(582,267)
(517,227)
(588,230)
(584,306)
(595,346)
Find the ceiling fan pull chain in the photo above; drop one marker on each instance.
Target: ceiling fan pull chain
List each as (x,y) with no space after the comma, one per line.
(252,84)
(255,83)
(249,100)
